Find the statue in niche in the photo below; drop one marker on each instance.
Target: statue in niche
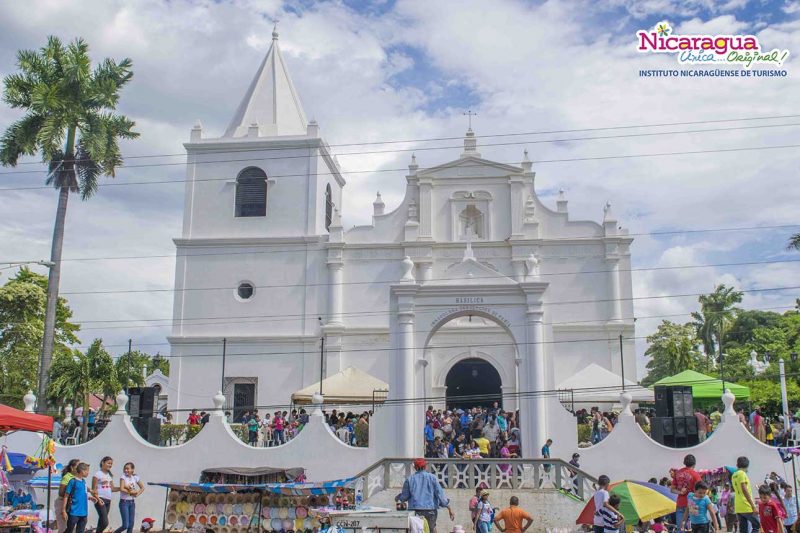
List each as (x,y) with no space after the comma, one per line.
(532,265)
(471,223)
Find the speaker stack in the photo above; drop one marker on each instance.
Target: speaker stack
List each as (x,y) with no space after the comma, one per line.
(674,424)
(141,406)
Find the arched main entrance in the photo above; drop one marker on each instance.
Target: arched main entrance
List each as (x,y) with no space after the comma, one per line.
(472,383)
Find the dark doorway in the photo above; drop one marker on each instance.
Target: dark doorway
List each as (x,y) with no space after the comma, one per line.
(474,378)
(244,399)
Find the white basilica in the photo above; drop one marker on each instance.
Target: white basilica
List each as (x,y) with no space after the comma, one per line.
(471,286)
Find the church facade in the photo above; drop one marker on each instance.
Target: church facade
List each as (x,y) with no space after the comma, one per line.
(471,290)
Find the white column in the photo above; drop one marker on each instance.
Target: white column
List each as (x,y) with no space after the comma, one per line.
(407,432)
(534,424)
(614,293)
(335,276)
(517,201)
(425,210)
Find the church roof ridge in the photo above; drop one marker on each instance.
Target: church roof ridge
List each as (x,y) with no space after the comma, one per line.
(271,101)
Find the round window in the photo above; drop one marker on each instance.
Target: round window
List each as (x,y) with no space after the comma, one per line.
(245,290)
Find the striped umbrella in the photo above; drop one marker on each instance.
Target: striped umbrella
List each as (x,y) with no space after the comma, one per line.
(638,501)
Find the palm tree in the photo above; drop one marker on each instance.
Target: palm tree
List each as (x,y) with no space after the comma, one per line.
(67,104)
(76,375)
(719,311)
(794,242)
(705,332)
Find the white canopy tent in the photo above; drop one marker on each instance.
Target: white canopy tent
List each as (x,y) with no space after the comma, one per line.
(597,384)
(351,385)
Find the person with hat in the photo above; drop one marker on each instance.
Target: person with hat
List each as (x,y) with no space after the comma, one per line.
(484,514)
(424,495)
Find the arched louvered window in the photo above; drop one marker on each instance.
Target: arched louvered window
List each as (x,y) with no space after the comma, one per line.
(251,193)
(328,207)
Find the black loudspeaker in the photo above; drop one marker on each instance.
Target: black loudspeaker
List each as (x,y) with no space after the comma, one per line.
(149,428)
(661,429)
(141,402)
(673,401)
(662,403)
(678,403)
(680,427)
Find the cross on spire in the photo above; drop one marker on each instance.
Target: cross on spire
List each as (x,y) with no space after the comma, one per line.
(470,113)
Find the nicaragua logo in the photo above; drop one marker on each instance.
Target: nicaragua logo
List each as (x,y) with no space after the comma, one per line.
(745,50)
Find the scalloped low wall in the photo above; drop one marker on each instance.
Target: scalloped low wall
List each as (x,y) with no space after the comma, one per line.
(316,448)
(626,453)
(630,453)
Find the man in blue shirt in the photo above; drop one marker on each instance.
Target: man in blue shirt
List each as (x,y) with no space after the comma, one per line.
(424,495)
(429,432)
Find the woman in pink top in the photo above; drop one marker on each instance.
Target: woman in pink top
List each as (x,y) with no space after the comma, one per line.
(278,428)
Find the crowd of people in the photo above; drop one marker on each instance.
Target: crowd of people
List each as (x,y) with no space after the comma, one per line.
(769,430)
(77,490)
(479,432)
(280,427)
(706,501)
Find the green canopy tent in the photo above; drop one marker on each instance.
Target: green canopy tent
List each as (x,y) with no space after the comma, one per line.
(705,389)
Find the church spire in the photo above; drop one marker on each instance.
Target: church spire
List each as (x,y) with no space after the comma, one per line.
(271,101)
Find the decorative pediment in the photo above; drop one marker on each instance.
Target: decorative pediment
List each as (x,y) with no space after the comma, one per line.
(470,272)
(470,167)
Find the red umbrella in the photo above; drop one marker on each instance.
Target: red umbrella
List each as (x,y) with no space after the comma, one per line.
(13,419)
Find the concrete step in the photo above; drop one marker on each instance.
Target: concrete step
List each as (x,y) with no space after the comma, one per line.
(548,507)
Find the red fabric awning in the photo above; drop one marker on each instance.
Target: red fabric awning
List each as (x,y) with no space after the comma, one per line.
(13,419)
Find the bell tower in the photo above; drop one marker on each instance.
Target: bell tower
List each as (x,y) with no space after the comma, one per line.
(270,174)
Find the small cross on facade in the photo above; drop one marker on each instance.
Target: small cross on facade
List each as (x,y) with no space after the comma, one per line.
(470,113)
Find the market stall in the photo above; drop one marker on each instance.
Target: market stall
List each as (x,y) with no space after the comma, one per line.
(12,420)
(237,508)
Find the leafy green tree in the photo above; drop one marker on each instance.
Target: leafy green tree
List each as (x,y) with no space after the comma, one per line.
(766,393)
(747,321)
(672,350)
(132,368)
(75,375)
(70,121)
(22,305)
(719,311)
(158,362)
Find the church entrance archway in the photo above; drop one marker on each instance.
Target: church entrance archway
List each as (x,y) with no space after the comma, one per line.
(473,382)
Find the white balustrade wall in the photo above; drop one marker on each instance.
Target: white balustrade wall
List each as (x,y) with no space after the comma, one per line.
(626,453)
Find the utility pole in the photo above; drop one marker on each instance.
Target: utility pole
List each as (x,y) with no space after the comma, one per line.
(128,366)
(622,362)
(321,354)
(224,351)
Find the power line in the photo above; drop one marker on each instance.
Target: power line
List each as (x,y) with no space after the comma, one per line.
(516,134)
(300,317)
(375,171)
(432,280)
(323,247)
(348,334)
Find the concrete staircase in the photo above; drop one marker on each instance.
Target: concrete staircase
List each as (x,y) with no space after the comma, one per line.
(549,508)
(551,490)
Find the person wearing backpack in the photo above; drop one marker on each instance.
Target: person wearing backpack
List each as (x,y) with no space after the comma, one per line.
(485,514)
(75,507)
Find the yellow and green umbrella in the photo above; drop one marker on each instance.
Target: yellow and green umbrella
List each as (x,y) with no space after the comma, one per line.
(638,501)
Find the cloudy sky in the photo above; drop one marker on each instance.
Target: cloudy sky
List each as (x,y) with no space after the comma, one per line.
(378,71)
